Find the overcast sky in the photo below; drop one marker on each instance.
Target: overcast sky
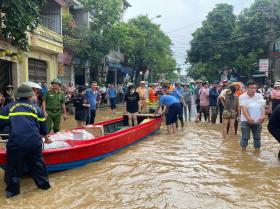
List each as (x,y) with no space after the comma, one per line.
(180,18)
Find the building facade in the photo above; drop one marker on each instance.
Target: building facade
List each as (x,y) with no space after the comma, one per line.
(40,63)
(82,73)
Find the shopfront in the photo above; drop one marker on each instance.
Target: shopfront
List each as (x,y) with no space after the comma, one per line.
(5,73)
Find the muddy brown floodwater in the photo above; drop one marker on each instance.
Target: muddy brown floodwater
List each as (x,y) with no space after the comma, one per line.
(196,168)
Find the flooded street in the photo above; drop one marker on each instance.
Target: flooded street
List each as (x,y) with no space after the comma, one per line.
(194,169)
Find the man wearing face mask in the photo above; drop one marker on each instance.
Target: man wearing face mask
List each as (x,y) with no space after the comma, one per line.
(132,104)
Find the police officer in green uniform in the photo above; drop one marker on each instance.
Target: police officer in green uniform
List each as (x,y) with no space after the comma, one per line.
(53,102)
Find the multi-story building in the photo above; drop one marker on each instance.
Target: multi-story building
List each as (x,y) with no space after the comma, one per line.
(9,68)
(74,70)
(40,63)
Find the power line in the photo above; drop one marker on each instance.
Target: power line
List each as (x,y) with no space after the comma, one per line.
(196,23)
(236,38)
(217,44)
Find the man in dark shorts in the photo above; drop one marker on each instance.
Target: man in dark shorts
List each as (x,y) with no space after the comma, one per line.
(171,107)
(132,104)
(81,105)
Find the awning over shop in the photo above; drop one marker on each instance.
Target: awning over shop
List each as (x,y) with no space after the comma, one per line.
(120,67)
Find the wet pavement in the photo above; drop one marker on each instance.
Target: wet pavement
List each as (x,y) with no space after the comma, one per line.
(196,168)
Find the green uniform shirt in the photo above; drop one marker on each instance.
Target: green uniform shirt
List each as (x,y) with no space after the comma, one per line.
(54,100)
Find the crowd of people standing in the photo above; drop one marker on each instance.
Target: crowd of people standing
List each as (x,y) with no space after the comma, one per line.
(236,105)
(38,110)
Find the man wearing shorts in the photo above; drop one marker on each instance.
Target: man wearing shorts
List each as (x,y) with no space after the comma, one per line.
(171,107)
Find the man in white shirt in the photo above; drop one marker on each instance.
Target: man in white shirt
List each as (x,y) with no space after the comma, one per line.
(252,115)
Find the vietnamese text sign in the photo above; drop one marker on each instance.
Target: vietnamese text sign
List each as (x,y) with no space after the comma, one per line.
(264,65)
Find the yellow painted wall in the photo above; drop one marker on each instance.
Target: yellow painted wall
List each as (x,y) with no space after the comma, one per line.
(45,49)
(50,59)
(65,11)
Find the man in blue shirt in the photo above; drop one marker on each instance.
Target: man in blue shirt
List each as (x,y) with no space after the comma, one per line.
(178,94)
(44,89)
(112,95)
(92,95)
(213,101)
(24,147)
(171,108)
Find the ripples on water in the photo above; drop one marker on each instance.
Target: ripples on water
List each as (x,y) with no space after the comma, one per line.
(194,169)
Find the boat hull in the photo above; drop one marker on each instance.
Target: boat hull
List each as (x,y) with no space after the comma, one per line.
(85,152)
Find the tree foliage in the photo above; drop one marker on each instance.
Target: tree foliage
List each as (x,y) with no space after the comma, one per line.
(16,17)
(93,43)
(141,41)
(234,43)
(147,48)
(210,47)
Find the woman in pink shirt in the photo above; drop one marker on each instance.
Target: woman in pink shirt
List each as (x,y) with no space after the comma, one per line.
(275,95)
(204,103)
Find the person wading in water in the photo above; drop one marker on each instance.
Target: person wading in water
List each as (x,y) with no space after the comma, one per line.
(24,147)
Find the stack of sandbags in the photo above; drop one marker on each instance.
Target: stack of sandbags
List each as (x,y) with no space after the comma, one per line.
(56,145)
(79,134)
(95,130)
(82,134)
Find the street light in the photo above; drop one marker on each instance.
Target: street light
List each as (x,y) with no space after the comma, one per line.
(156,17)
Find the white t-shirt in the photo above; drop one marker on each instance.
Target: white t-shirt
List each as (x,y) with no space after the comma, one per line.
(255,105)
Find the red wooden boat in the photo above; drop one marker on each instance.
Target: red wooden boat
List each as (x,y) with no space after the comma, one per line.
(84,152)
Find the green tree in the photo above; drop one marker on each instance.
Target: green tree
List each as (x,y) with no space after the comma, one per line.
(94,43)
(242,43)
(210,45)
(147,47)
(253,34)
(18,16)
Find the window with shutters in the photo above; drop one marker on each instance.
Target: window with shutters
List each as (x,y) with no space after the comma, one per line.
(51,16)
(37,70)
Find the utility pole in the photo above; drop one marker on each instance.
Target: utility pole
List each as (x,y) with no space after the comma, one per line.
(271,73)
